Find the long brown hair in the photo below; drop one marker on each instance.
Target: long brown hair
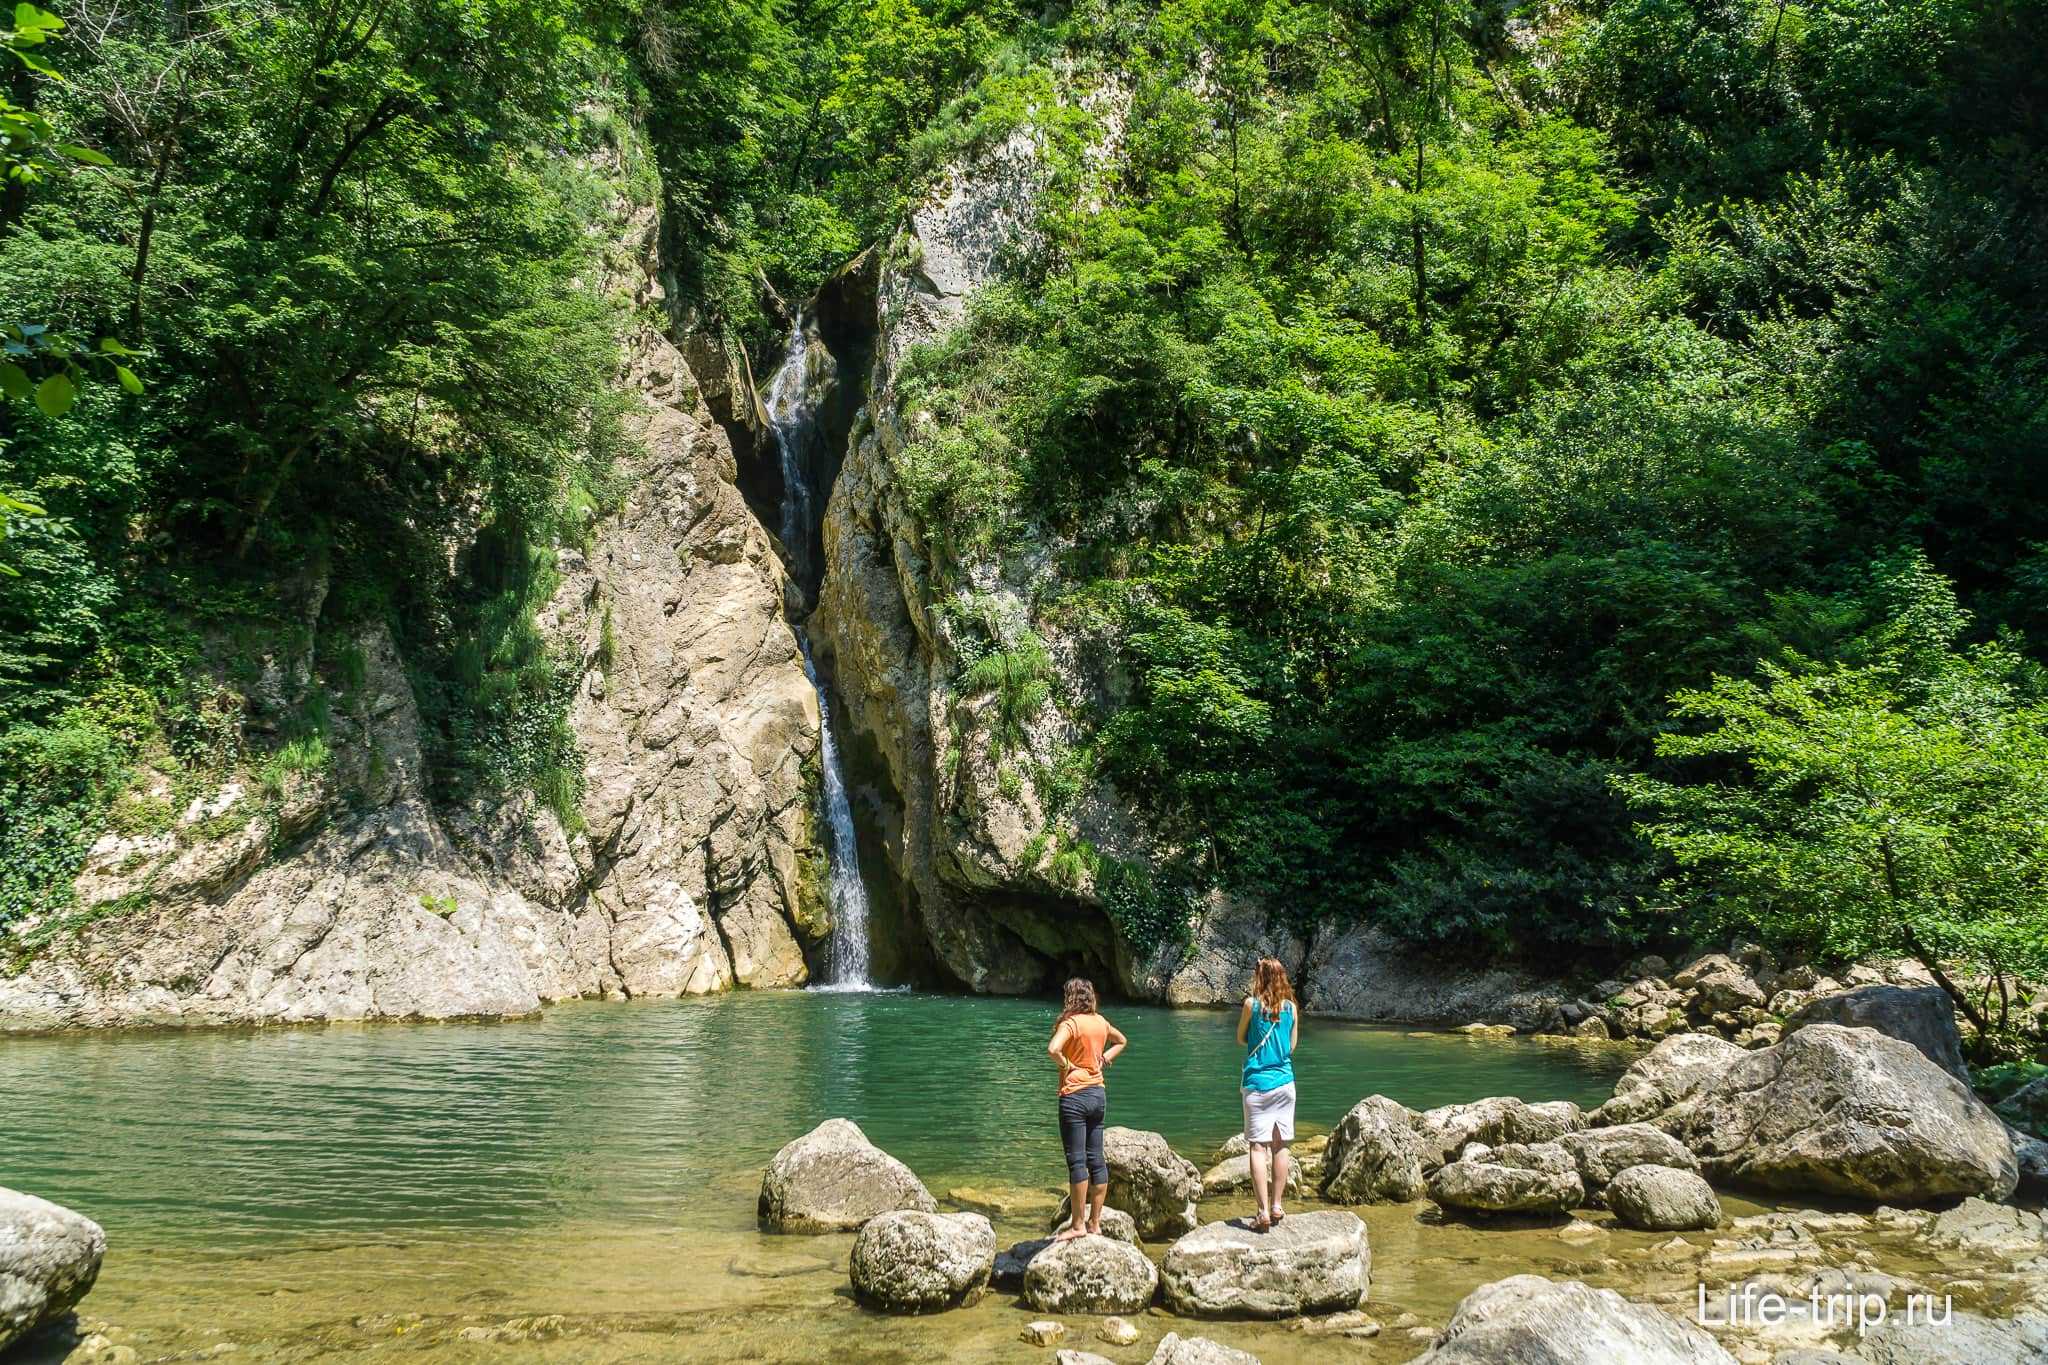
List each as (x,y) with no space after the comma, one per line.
(1080,998)
(1270,985)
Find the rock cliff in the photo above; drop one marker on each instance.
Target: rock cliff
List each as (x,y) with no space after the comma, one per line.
(344,892)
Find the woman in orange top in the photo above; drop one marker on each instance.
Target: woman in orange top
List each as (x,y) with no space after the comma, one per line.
(1078,1049)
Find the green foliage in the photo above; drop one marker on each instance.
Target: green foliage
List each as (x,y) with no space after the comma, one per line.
(444,906)
(306,754)
(1890,802)
(1017,670)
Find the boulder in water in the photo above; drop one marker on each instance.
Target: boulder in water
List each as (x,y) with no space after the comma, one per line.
(907,1261)
(1849,1112)
(1533,1178)
(1090,1275)
(1663,1199)
(1446,1130)
(1308,1263)
(1921,1015)
(1529,1320)
(1375,1155)
(832,1179)
(1175,1349)
(1150,1181)
(49,1258)
(1668,1073)
(1603,1153)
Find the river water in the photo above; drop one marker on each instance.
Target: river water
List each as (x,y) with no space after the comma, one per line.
(334,1191)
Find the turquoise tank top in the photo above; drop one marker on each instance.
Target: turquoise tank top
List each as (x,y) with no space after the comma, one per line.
(1269,1064)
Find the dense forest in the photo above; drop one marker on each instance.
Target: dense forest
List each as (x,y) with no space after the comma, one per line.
(1558,477)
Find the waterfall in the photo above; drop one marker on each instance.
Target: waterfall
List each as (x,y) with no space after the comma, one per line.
(798,439)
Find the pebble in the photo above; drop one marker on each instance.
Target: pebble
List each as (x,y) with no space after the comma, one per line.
(1043,1333)
(1117,1332)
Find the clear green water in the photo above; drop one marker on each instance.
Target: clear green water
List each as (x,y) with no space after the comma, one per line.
(650,1113)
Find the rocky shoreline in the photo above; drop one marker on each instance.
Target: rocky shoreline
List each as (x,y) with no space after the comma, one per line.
(1889,1147)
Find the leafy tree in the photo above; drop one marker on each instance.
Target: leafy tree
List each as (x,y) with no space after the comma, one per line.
(1894,804)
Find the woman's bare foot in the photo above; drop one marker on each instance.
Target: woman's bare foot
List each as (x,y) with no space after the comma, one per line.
(1095,1228)
(1068,1234)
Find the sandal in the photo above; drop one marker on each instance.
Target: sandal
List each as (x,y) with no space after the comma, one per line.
(1260,1224)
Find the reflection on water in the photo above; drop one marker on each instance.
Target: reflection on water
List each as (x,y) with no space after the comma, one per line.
(655,1113)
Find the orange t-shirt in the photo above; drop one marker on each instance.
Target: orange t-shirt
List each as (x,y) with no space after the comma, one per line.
(1086,1036)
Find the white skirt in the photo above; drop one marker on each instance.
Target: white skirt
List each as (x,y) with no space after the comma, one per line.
(1269,1114)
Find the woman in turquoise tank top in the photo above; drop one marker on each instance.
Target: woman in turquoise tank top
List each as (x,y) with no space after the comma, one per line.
(1268,1027)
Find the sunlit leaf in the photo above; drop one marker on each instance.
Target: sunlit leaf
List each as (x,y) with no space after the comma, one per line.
(56,394)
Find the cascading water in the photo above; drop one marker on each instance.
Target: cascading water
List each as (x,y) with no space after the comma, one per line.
(794,420)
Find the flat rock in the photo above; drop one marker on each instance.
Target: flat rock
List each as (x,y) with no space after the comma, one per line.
(832,1179)
(1175,1349)
(1921,1015)
(1979,1225)
(1603,1153)
(1533,1178)
(1090,1275)
(49,1259)
(1963,1339)
(1072,1357)
(1663,1199)
(1375,1155)
(1529,1320)
(907,1261)
(1311,1263)
(1151,1182)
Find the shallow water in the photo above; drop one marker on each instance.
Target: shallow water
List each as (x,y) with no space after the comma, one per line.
(444,1191)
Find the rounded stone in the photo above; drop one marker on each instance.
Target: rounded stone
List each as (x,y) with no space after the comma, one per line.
(832,1179)
(908,1261)
(1536,1178)
(1663,1199)
(1090,1275)
(1151,1182)
(49,1259)
(1310,1263)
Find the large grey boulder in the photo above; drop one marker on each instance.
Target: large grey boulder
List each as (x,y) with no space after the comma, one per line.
(1445,1130)
(1720,985)
(1846,1112)
(912,1262)
(832,1179)
(1603,1153)
(2027,1107)
(1090,1275)
(1175,1349)
(1308,1263)
(1961,1339)
(1150,1181)
(1921,1015)
(1668,1073)
(1663,1199)
(49,1258)
(1532,1178)
(1375,1155)
(1529,1320)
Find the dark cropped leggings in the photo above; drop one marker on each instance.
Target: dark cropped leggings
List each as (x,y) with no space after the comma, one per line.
(1081,1115)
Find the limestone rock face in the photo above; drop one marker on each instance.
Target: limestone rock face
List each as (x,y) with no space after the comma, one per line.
(1671,1071)
(1308,1263)
(912,1262)
(354,895)
(1090,1275)
(1538,1178)
(832,1179)
(1364,973)
(1920,1015)
(1603,1153)
(1375,1155)
(1151,1182)
(1529,1320)
(1845,1111)
(1663,1199)
(49,1258)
